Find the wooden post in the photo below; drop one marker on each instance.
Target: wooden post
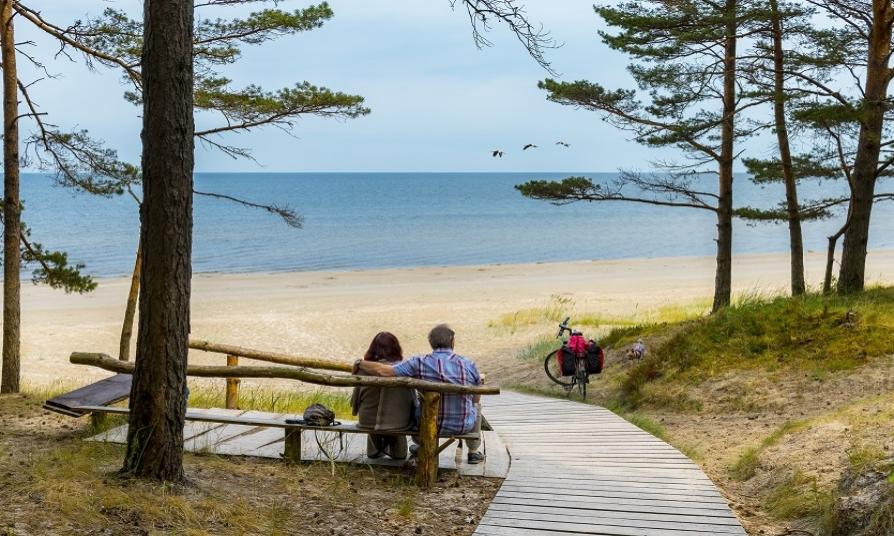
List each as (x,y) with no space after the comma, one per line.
(98,422)
(232,384)
(427,456)
(292,453)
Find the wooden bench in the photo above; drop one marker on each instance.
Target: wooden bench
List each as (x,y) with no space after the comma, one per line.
(313,371)
(102,393)
(292,432)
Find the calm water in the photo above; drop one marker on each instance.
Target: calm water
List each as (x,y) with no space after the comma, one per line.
(378,220)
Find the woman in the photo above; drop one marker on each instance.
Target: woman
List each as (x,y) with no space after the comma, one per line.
(379,408)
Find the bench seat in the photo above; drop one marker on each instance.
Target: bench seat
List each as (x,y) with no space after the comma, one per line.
(101,393)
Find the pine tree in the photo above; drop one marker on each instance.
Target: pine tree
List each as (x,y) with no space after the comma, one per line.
(685,63)
(158,396)
(828,94)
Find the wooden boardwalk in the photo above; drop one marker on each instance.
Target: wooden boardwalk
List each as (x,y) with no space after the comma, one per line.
(267,442)
(580,469)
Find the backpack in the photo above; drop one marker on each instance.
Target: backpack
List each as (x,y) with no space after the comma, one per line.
(595,358)
(316,415)
(566,360)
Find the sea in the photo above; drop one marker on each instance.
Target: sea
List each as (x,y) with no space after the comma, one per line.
(354,221)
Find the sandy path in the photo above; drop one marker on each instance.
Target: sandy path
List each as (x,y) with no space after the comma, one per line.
(334,314)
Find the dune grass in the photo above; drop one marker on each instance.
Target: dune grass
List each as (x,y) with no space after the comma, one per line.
(797,496)
(273,400)
(552,312)
(559,307)
(538,350)
(816,334)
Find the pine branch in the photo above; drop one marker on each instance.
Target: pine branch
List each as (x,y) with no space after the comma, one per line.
(536,40)
(289,216)
(574,189)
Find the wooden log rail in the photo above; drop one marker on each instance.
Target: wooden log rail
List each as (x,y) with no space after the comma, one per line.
(427,465)
(272,357)
(104,361)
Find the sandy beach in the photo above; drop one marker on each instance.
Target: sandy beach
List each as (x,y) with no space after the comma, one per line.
(334,314)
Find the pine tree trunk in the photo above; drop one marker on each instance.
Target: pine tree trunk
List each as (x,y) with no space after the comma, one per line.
(12,208)
(851,277)
(131,309)
(158,395)
(796,241)
(724,275)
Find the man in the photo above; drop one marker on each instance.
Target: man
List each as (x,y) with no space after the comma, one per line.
(458,414)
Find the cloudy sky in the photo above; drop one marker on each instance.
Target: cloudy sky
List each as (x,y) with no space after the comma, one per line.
(438,103)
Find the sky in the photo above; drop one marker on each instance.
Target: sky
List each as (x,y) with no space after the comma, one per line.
(438,103)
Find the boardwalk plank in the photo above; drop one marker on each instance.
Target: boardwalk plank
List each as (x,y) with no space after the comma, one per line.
(579,469)
(572,514)
(591,520)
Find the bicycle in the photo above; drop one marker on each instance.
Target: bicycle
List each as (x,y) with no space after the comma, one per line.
(578,348)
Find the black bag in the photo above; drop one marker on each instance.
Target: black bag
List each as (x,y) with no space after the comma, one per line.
(595,358)
(316,415)
(566,360)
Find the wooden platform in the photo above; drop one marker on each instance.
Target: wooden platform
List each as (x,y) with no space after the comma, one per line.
(580,469)
(267,442)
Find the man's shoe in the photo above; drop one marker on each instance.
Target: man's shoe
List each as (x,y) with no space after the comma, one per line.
(475,458)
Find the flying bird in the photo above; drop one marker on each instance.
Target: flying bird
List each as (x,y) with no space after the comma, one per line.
(529,146)
(562,143)
(497,153)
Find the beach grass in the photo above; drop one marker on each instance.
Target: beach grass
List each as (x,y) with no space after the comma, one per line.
(816,334)
(273,400)
(539,349)
(551,312)
(611,329)
(798,496)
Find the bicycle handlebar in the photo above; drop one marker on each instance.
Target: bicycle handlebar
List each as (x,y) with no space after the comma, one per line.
(563,327)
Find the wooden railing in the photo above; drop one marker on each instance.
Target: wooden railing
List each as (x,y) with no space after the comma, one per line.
(301,369)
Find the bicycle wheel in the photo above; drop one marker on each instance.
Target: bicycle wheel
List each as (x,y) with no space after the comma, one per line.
(582,378)
(554,371)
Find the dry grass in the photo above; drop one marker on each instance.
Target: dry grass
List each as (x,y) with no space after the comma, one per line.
(51,482)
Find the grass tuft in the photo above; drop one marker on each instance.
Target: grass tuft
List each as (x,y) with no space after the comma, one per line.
(745,466)
(797,496)
(537,351)
(647,424)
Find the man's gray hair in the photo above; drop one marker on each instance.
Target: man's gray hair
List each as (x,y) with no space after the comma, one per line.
(441,336)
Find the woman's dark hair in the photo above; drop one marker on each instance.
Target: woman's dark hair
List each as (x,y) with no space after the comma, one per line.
(384,347)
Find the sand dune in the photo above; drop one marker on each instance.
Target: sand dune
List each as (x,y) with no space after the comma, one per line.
(334,314)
